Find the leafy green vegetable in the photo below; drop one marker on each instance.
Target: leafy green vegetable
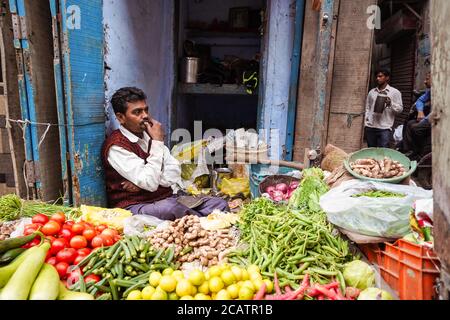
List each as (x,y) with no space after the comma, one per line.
(379,194)
(311,188)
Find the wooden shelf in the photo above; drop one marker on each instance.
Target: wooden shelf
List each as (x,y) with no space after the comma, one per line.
(211,89)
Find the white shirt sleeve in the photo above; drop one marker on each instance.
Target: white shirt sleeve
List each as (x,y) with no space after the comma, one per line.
(134,169)
(171,173)
(396,102)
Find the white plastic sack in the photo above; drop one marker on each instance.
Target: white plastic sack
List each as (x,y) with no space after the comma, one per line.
(379,217)
(137,225)
(20,227)
(398,134)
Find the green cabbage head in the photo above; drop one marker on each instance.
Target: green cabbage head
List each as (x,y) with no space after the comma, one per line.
(375,294)
(358,274)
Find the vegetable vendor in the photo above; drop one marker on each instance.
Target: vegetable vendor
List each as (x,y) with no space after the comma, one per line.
(141,174)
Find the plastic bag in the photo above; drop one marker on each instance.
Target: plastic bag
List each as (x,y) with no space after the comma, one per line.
(194,168)
(380,217)
(398,134)
(20,227)
(143,225)
(234,186)
(113,218)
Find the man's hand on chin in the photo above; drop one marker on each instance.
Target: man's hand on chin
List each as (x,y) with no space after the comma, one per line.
(155,130)
(130,187)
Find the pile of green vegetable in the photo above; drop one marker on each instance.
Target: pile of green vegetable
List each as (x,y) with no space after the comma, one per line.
(379,194)
(13,208)
(124,267)
(293,240)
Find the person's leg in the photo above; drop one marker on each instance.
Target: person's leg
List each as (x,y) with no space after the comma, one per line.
(167,209)
(422,133)
(371,137)
(212,203)
(384,138)
(408,136)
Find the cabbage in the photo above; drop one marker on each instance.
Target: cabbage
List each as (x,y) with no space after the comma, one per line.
(359,274)
(375,294)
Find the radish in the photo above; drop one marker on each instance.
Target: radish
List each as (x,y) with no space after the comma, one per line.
(277,196)
(283,187)
(293,185)
(270,189)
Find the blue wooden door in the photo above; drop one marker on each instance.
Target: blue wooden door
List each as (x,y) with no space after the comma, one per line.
(79,74)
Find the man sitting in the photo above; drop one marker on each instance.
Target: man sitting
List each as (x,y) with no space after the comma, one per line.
(417,134)
(141,174)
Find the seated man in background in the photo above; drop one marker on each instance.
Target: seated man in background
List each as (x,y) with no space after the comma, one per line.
(141,174)
(417,134)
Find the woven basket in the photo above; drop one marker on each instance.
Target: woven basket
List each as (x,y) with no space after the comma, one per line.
(274,180)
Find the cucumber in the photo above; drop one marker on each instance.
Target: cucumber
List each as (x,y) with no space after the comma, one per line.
(46,285)
(10,255)
(13,243)
(6,272)
(19,286)
(65,294)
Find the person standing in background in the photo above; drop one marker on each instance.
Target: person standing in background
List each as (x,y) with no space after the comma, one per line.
(382,105)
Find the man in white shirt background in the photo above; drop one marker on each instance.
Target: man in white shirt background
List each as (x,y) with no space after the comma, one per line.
(141,174)
(379,124)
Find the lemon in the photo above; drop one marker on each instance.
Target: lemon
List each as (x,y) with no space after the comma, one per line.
(204,288)
(201,296)
(257,284)
(237,272)
(255,275)
(134,295)
(253,269)
(159,294)
(228,277)
(269,285)
(167,272)
(213,296)
(184,288)
(154,279)
(207,275)
(168,283)
(224,267)
(245,275)
(248,284)
(173,296)
(178,274)
(215,271)
(187,298)
(245,293)
(223,295)
(147,292)
(193,290)
(197,277)
(216,284)
(233,291)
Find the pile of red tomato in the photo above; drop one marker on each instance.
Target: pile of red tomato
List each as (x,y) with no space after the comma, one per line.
(71,241)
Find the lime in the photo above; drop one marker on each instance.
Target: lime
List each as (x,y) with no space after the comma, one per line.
(237,272)
(184,288)
(223,295)
(168,283)
(197,277)
(201,296)
(159,294)
(178,274)
(228,277)
(173,296)
(204,288)
(233,291)
(167,272)
(215,271)
(245,293)
(216,284)
(134,295)
(147,293)
(154,279)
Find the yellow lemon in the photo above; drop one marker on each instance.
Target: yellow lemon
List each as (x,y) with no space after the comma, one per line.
(213,296)
(257,284)
(204,288)
(216,284)
(237,272)
(193,290)
(134,295)
(178,274)
(154,279)
(233,291)
(228,277)
(197,277)
(245,275)
(223,295)
(248,284)
(269,285)
(207,275)
(187,298)
(147,292)
(215,271)
(168,283)
(167,272)
(255,276)
(224,267)
(201,296)
(184,288)
(173,296)
(245,293)
(159,294)
(253,268)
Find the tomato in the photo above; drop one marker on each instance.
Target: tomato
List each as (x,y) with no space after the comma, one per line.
(66,255)
(97,242)
(58,245)
(78,228)
(40,218)
(92,277)
(66,234)
(78,242)
(68,225)
(84,252)
(107,240)
(89,234)
(62,267)
(36,241)
(116,238)
(29,229)
(52,261)
(78,259)
(51,228)
(88,225)
(59,217)
(74,275)
(110,232)
(101,227)
(50,238)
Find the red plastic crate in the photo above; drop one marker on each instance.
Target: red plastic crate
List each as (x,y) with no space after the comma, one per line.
(372,251)
(410,270)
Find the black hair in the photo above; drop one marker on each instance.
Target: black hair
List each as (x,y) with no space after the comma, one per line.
(124,95)
(385,72)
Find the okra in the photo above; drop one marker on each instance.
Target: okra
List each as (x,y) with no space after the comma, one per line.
(126,250)
(131,247)
(114,292)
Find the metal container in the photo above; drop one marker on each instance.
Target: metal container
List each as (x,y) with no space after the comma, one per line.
(217,175)
(189,69)
(380,103)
